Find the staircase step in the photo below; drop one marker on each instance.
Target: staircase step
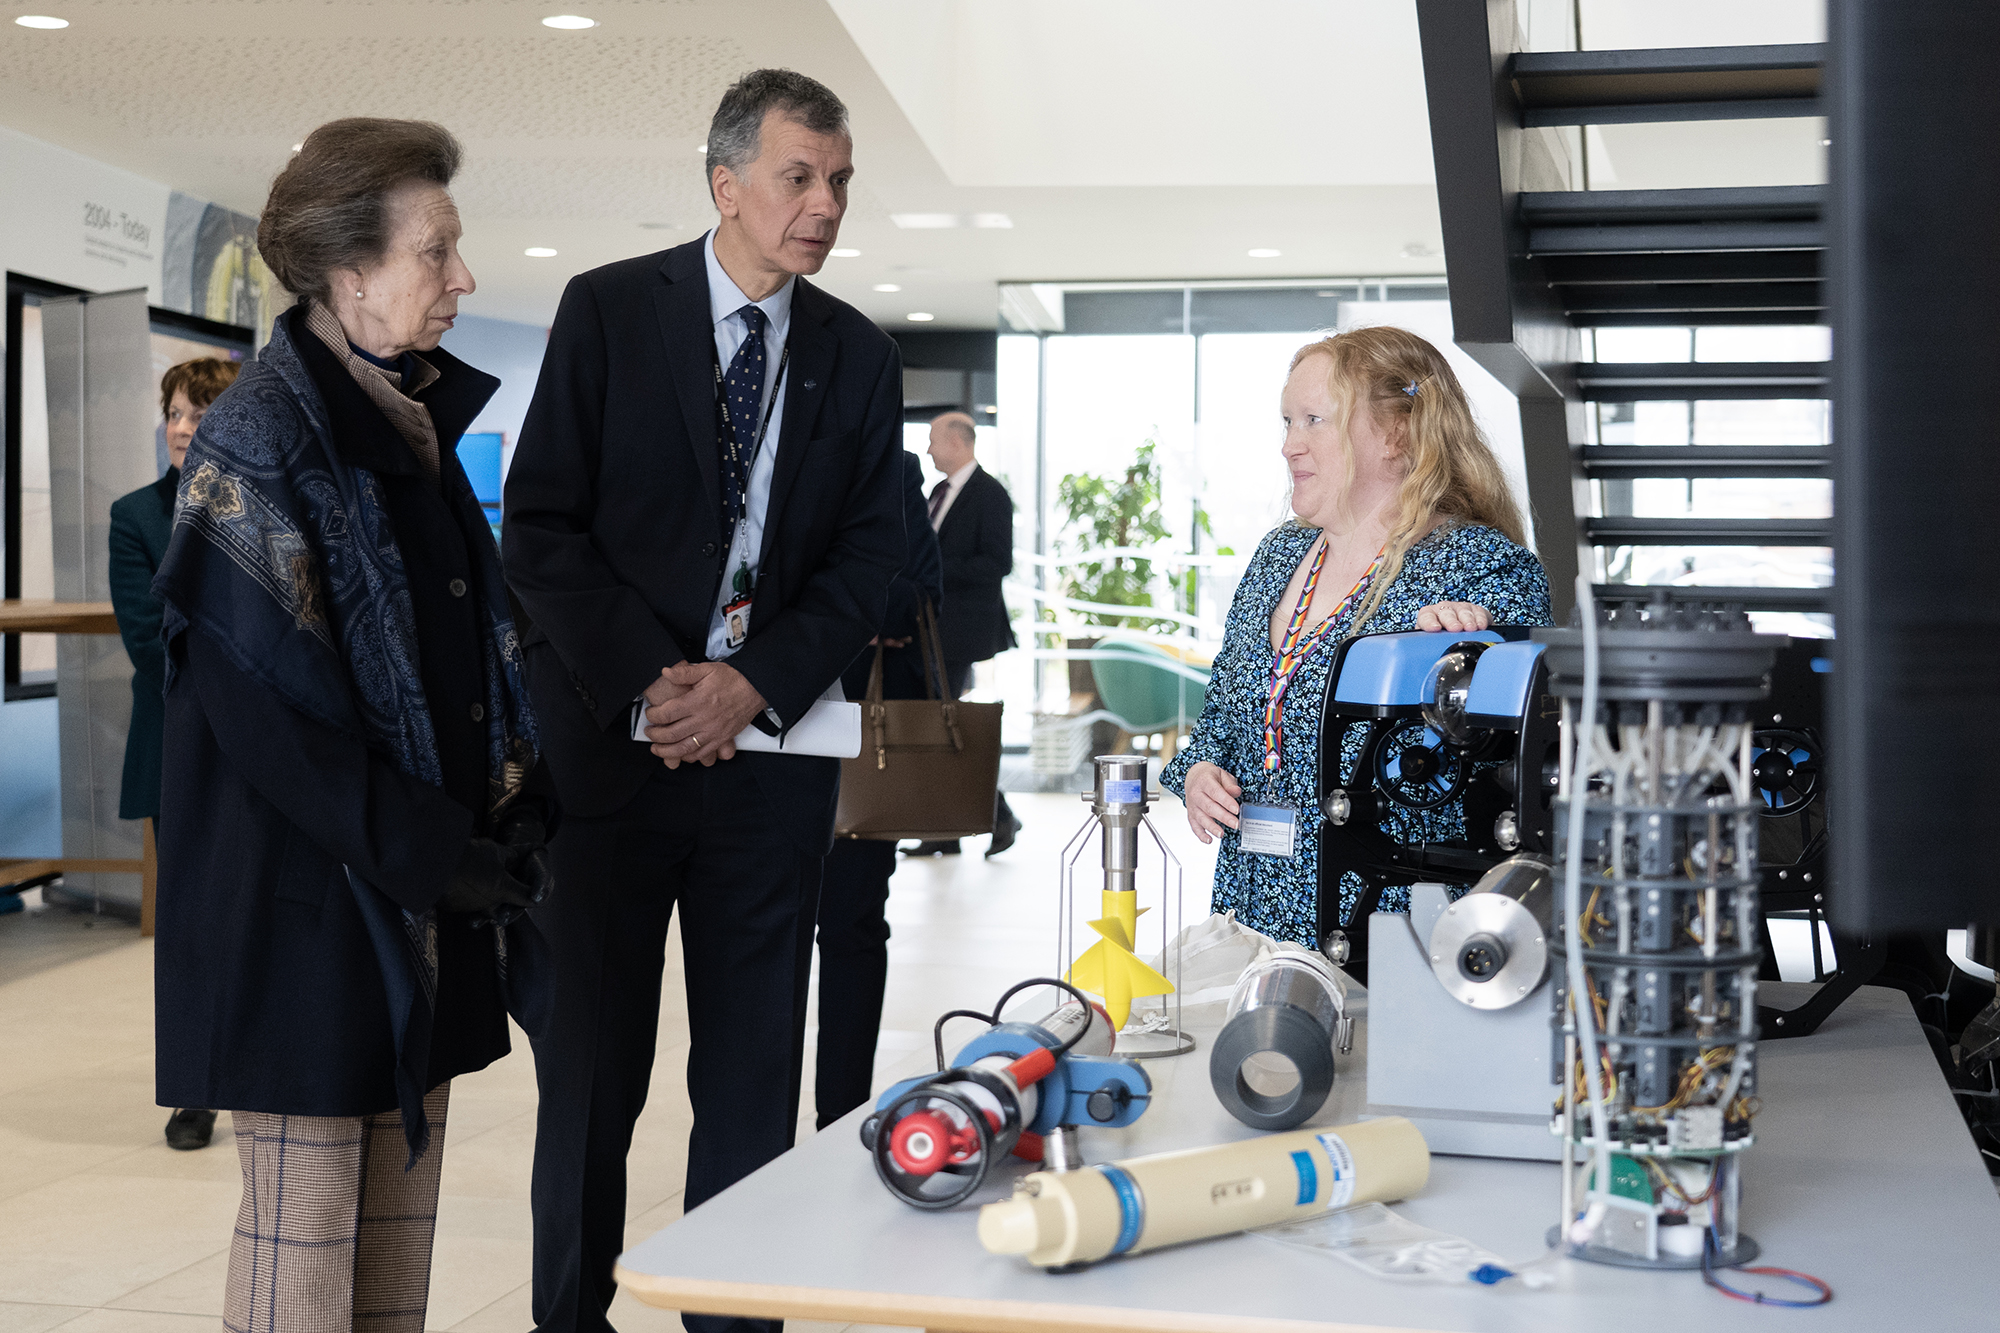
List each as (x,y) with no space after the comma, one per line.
(1708,531)
(1750,599)
(1692,83)
(1798,302)
(1683,381)
(1758,217)
(1696,266)
(1624,461)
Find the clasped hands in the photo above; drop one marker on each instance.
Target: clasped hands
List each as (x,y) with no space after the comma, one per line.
(695,709)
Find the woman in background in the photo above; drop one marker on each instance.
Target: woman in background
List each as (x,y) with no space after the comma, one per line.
(140,525)
(1404,521)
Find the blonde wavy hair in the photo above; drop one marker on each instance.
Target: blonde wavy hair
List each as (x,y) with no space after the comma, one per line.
(1409,389)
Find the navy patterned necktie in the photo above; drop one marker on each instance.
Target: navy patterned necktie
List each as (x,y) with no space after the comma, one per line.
(742,395)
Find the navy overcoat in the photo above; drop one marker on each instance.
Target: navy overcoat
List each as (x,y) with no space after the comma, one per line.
(269,993)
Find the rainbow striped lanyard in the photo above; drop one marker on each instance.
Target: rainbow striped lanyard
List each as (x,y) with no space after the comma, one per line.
(1297,645)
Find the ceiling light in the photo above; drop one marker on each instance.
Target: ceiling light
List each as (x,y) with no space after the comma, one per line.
(998,221)
(1826,143)
(539,252)
(845,254)
(887,287)
(701,148)
(1262,253)
(298,148)
(568,22)
(41,21)
(925,221)
(921,317)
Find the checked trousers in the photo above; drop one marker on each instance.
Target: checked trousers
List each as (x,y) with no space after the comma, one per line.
(333,1234)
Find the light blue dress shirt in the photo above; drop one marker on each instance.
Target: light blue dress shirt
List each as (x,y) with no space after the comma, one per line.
(725,298)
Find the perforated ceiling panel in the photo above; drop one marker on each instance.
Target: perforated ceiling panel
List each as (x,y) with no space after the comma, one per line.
(642,102)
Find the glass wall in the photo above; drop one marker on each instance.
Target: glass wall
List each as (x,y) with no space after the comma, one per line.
(1095,380)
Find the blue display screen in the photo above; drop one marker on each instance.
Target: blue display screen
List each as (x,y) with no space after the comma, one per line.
(479,454)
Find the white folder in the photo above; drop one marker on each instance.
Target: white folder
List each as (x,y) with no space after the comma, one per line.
(831,729)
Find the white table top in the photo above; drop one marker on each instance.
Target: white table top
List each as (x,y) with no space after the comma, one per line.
(1863,1174)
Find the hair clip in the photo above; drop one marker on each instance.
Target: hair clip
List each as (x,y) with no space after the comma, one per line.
(1411,388)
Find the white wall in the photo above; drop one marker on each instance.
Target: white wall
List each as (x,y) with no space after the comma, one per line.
(71,220)
(510,351)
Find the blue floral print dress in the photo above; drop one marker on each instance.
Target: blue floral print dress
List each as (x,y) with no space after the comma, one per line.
(1456,562)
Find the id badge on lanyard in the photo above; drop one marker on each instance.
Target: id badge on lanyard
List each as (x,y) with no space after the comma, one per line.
(1268,828)
(736,611)
(743,586)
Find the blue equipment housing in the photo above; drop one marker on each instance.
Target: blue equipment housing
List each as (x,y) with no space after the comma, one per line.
(1434,718)
(1015,1088)
(1082,1089)
(1446,717)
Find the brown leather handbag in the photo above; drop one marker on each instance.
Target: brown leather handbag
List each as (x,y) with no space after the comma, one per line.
(928,767)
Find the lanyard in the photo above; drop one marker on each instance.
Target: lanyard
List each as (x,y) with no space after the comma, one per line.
(1298,644)
(763,428)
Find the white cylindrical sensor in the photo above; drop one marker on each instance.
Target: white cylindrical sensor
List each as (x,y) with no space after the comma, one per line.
(1119,1208)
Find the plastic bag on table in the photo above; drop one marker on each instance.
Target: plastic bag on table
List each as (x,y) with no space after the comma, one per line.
(1214,953)
(1385,1245)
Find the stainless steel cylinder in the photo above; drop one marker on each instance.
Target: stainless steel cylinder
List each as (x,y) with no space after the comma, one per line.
(1490,949)
(1119,801)
(1070,1019)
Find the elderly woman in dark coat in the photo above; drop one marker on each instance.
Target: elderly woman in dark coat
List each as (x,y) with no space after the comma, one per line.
(352,820)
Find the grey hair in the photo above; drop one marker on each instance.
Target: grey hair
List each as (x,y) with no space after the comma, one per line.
(328,209)
(735,136)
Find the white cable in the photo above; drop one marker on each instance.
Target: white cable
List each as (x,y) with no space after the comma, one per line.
(1579,986)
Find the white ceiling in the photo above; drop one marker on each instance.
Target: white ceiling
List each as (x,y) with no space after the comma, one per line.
(1125,139)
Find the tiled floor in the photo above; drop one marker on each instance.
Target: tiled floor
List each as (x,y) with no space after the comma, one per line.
(104,1229)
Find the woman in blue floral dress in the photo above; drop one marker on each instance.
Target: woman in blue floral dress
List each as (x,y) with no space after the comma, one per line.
(1404,522)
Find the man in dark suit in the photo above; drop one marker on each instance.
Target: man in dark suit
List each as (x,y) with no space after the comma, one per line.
(703,519)
(974,519)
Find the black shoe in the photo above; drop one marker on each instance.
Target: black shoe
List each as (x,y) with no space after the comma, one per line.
(190,1129)
(947,847)
(1005,831)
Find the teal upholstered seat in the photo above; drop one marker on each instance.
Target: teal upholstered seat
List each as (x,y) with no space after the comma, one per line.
(1149,688)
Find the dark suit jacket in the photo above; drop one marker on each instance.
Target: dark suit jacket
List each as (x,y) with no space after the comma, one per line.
(267,987)
(920,579)
(977,542)
(140,525)
(612,537)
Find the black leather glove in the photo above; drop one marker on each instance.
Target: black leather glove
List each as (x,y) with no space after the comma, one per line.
(485,880)
(525,836)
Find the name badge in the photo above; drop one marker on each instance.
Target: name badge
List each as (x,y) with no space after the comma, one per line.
(736,622)
(1268,830)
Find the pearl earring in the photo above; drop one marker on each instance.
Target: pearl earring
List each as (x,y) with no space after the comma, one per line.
(357,295)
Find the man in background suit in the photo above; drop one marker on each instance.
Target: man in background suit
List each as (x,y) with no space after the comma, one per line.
(703,519)
(974,519)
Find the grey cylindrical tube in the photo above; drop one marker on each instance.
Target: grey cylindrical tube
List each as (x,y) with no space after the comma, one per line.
(1286,1010)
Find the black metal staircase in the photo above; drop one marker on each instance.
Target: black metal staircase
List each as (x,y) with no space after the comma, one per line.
(1534,262)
